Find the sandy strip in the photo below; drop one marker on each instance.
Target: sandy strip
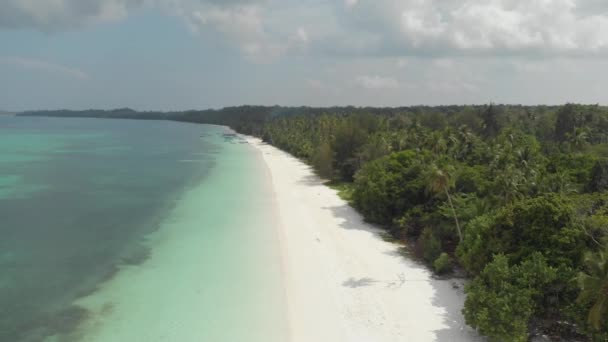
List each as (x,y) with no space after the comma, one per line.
(343,282)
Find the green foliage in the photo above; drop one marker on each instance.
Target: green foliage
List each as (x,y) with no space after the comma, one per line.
(388,186)
(599,176)
(490,119)
(439,182)
(345,190)
(545,224)
(471,179)
(594,289)
(568,118)
(410,224)
(467,206)
(348,140)
(475,251)
(323,159)
(429,245)
(443,263)
(377,146)
(502,299)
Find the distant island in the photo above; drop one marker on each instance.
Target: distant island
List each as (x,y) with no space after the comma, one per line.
(514,197)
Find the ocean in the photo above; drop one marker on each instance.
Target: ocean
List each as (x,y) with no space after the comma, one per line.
(124,230)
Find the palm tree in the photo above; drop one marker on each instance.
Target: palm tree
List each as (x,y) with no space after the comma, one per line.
(594,287)
(510,184)
(579,139)
(399,141)
(559,183)
(440,181)
(465,137)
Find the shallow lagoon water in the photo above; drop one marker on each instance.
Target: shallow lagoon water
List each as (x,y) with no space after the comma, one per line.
(118,230)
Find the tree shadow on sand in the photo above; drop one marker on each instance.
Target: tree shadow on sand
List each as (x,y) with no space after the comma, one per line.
(354,283)
(309,180)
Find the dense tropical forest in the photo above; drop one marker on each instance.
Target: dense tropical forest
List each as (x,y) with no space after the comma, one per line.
(513,196)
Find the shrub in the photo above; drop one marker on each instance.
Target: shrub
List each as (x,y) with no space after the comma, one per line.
(322,160)
(443,263)
(503,298)
(386,187)
(599,177)
(545,224)
(428,245)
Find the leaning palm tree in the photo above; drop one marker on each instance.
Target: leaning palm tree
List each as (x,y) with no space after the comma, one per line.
(440,181)
(594,287)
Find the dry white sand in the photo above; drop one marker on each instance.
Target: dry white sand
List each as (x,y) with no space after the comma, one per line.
(343,281)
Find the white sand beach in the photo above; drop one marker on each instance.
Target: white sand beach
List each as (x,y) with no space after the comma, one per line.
(343,281)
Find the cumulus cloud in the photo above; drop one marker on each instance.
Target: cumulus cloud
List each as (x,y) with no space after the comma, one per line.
(249,25)
(44,66)
(265,29)
(478,27)
(242,25)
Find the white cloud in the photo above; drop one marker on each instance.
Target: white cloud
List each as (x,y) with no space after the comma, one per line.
(44,66)
(479,27)
(240,23)
(263,30)
(376,82)
(353,27)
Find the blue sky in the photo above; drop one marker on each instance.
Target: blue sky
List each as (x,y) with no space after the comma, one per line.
(185,54)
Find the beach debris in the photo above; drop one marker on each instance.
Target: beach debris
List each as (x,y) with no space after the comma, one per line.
(397,283)
(355,283)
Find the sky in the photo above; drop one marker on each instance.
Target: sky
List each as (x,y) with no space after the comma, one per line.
(197,54)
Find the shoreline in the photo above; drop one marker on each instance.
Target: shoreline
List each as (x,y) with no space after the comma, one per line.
(343,282)
(198,281)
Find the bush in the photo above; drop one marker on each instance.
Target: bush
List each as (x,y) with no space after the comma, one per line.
(411,223)
(599,177)
(577,167)
(502,299)
(475,250)
(387,187)
(472,179)
(443,263)
(323,159)
(429,247)
(348,139)
(545,224)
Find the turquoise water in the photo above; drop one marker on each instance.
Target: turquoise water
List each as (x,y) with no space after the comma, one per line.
(119,230)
